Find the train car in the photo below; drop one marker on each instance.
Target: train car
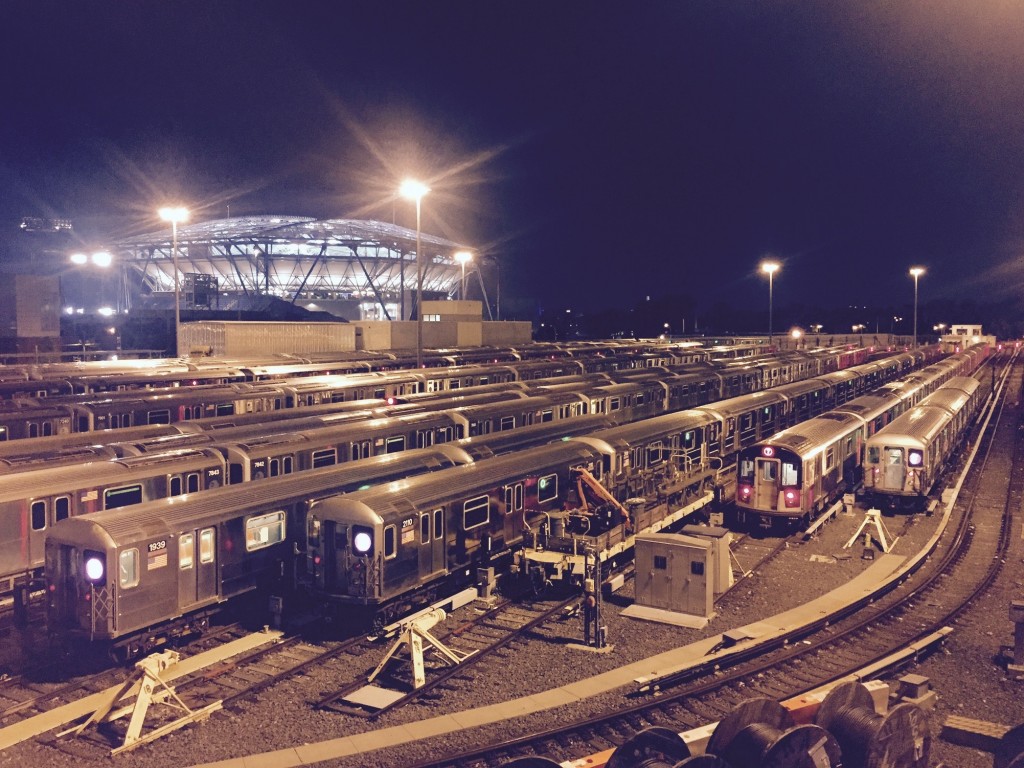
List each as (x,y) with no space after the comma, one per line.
(382,551)
(133,578)
(904,461)
(793,475)
(31,502)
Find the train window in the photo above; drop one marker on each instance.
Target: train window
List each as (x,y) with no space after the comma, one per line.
(122,497)
(287,465)
(454,384)
(506,423)
(547,488)
(475,512)
(547,415)
(424,529)
(661,562)
(790,476)
(746,421)
(873,454)
(360,450)
(389,543)
(424,438)
(337,397)
(128,568)
(830,458)
(654,453)
(689,439)
(33,430)
(47,429)
(206,546)
(379,394)
(313,531)
(746,469)
(159,417)
(175,486)
(38,515)
(274,467)
(3,433)
(324,458)
(186,551)
(394,444)
(768,471)
(264,531)
(894,456)
(438,523)
(224,409)
(614,404)
(192,482)
(61,508)
(697,567)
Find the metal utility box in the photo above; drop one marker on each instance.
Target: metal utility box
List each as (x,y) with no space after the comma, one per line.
(673,573)
(721,557)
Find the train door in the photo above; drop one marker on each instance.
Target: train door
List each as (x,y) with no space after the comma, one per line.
(894,469)
(197,567)
(766,483)
(431,543)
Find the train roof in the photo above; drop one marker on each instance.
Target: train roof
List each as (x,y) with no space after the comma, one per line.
(70,478)
(811,436)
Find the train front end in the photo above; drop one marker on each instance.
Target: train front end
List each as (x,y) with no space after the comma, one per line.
(79,583)
(769,484)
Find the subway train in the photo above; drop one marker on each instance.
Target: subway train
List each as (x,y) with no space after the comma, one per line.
(426,534)
(904,461)
(793,475)
(61,379)
(47,488)
(697,383)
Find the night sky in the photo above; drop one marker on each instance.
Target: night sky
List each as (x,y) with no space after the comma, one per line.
(603,152)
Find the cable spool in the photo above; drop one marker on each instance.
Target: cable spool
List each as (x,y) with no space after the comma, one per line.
(899,739)
(653,747)
(760,733)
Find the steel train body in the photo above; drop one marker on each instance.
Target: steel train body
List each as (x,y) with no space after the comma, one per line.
(426,534)
(687,386)
(32,502)
(905,460)
(795,474)
(134,578)
(539,360)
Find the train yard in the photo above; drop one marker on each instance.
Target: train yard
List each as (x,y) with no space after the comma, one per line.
(804,610)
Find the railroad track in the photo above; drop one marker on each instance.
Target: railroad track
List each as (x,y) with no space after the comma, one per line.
(929,596)
(474,641)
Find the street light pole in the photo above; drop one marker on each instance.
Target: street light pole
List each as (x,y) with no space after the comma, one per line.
(174,215)
(415,190)
(916,272)
(770,268)
(462,257)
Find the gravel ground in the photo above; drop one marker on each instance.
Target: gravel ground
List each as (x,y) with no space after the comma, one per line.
(964,674)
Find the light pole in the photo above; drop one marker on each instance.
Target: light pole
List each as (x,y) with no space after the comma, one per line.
(415,190)
(916,272)
(462,257)
(174,215)
(770,268)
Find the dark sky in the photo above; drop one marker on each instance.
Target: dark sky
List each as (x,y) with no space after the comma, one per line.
(602,151)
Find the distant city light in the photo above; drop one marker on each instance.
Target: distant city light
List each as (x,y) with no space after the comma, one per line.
(105,311)
(79,258)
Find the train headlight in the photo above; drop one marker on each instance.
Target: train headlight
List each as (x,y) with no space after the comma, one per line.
(744,491)
(362,542)
(94,567)
(915,458)
(792,498)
